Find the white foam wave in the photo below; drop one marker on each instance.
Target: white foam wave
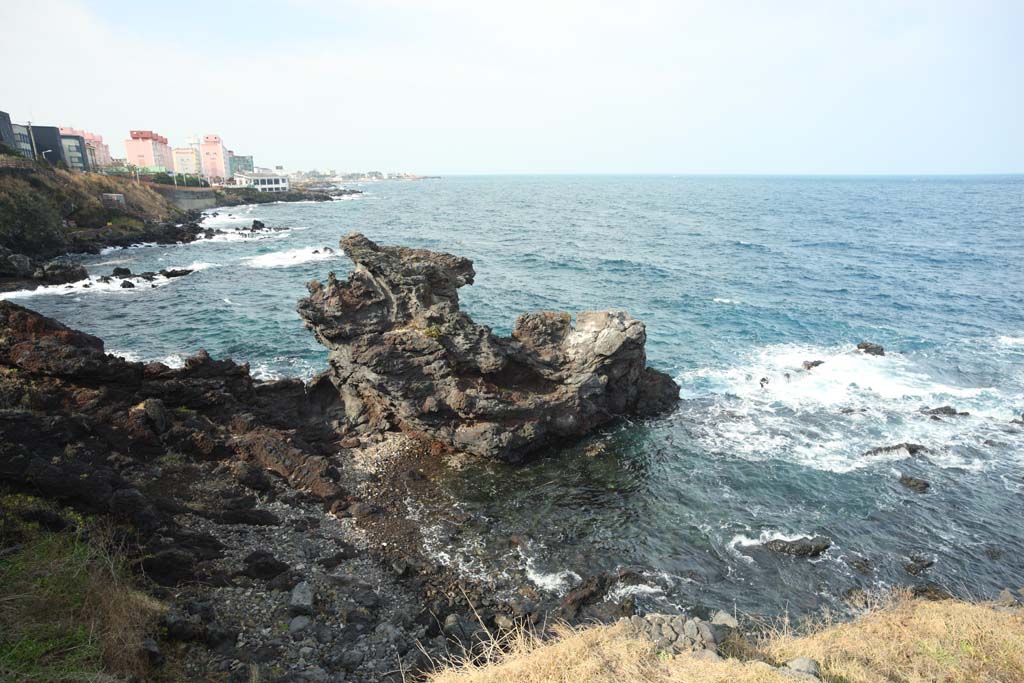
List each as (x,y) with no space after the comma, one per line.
(110,250)
(94,284)
(718,300)
(290,257)
(553,582)
(744,541)
(174,360)
(1011,341)
(201,265)
(828,416)
(242,235)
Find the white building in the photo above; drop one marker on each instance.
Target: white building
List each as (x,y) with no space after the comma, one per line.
(262,181)
(186,160)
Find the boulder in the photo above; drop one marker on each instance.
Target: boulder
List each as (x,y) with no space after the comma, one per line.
(301,600)
(121,272)
(801,547)
(60,272)
(13,265)
(911,448)
(871,349)
(948,411)
(404,356)
(917,565)
(261,564)
(914,484)
(805,665)
(175,272)
(127,284)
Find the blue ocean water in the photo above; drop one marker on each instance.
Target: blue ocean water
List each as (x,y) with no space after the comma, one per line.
(737,278)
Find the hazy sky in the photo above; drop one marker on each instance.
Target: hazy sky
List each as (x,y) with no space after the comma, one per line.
(470,86)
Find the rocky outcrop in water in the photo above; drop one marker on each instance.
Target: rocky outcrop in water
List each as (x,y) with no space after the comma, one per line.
(403,356)
(871,349)
(18,271)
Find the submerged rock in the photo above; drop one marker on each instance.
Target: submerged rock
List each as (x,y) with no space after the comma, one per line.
(911,448)
(403,356)
(871,348)
(948,411)
(175,272)
(917,565)
(914,484)
(801,547)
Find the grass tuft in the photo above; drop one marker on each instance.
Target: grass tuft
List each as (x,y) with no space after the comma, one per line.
(68,611)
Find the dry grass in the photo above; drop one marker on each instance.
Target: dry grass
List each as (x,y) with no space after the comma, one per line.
(598,654)
(900,641)
(68,611)
(916,641)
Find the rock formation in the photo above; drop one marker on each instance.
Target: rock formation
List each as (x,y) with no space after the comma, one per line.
(403,356)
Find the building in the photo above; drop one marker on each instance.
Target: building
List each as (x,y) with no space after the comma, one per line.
(97,151)
(262,181)
(23,140)
(242,164)
(186,160)
(46,143)
(74,152)
(147,149)
(214,157)
(7,131)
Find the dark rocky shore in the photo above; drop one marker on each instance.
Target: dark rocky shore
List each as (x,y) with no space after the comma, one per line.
(240,196)
(47,213)
(271,517)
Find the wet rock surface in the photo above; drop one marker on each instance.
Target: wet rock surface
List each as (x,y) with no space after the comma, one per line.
(871,349)
(403,356)
(282,547)
(801,547)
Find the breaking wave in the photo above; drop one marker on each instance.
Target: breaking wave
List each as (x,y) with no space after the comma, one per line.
(290,257)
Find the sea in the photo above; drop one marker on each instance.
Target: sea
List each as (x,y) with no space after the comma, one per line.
(737,279)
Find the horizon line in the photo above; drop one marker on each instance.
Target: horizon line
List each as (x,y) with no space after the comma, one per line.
(728,174)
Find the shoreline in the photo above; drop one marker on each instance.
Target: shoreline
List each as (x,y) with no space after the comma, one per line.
(22,272)
(274,526)
(274,543)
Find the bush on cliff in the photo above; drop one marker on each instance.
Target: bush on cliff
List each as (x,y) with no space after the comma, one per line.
(902,641)
(41,208)
(30,221)
(68,611)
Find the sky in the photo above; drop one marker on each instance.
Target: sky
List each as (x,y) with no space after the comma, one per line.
(554,86)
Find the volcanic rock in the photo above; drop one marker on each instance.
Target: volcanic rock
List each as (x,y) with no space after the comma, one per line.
(175,272)
(917,565)
(871,349)
(948,411)
(801,547)
(914,484)
(911,448)
(403,356)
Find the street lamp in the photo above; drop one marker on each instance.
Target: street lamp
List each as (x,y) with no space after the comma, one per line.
(44,154)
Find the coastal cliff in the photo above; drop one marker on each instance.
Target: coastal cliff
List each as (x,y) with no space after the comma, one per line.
(403,355)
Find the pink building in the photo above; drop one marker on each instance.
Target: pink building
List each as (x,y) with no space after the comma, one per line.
(149,150)
(214,157)
(97,150)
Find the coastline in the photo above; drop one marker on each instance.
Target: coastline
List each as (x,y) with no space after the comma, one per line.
(378,568)
(31,270)
(275,545)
